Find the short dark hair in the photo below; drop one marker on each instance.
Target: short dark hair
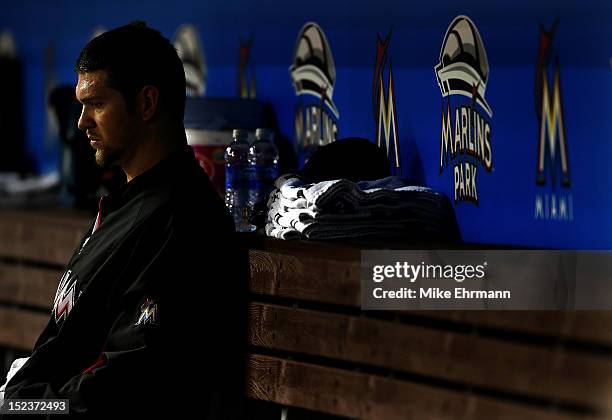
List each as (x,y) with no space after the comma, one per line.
(134,56)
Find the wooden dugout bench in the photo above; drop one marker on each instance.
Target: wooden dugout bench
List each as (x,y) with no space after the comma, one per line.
(311,347)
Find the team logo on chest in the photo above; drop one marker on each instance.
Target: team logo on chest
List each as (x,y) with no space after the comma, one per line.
(65,297)
(148,313)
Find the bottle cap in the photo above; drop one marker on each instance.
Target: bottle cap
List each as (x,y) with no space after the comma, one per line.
(264,133)
(240,134)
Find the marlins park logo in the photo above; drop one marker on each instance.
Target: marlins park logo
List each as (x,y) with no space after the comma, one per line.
(189,48)
(313,74)
(553,200)
(465,139)
(383,104)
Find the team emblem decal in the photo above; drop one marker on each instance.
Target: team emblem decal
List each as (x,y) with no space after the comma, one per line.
(189,49)
(313,74)
(247,86)
(65,297)
(554,200)
(149,313)
(465,140)
(383,105)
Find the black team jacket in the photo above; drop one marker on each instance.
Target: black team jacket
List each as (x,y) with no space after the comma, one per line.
(150,315)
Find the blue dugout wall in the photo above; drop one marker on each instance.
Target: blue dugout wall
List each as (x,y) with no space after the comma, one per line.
(521,145)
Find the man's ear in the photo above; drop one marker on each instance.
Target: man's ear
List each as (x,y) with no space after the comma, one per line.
(149,101)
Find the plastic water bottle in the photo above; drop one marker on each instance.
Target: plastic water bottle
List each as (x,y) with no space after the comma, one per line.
(236,180)
(263,163)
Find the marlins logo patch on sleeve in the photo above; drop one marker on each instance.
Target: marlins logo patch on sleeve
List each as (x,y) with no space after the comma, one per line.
(149,313)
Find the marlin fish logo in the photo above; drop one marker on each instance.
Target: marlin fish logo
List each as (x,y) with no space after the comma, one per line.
(148,313)
(246,82)
(552,144)
(385,114)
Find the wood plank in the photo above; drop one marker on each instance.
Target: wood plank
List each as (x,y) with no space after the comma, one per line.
(588,326)
(20,329)
(313,279)
(338,282)
(49,240)
(544,372)
(358,395)
(60,216)
(337,250)
(591,326)
(28,285)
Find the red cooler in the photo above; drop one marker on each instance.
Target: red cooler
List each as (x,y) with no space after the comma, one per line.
(209,148)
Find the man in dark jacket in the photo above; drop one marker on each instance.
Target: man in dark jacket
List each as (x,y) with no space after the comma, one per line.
(150,315)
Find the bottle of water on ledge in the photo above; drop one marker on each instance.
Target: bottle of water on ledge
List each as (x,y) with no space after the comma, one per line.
(263,163)
(236,180)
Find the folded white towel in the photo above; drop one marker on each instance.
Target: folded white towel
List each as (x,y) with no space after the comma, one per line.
(282,233)
(294,192)
(341,208)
